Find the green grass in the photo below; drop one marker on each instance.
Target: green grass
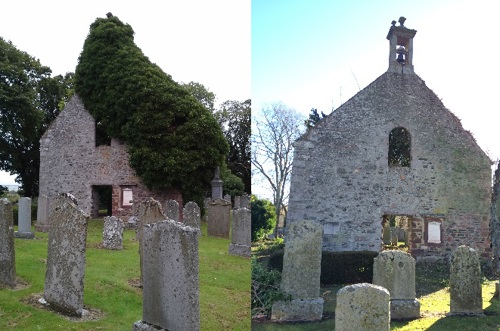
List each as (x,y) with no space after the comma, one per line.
(433,294)
(224,286)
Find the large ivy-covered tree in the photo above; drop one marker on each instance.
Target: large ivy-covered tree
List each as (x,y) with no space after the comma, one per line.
(172,139)
(29,100)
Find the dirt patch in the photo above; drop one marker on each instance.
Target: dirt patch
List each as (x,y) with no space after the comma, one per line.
(89,314)
(21,284)
(135,282)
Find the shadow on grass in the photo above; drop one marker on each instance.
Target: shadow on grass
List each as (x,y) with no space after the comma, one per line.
(431,277)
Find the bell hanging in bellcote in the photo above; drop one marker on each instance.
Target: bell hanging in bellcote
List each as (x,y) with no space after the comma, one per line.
(401,58)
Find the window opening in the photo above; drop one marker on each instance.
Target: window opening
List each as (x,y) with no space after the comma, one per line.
(399,148)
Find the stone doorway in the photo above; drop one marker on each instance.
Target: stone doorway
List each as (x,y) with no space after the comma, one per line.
(101,200)
(396,231)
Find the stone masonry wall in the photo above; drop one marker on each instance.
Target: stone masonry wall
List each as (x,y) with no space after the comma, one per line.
(70,162)
(341,175)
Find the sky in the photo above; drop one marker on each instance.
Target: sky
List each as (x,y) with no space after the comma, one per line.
(318,54)
(192,40)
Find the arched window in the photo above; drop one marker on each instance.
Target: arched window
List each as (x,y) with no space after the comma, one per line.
(399,148)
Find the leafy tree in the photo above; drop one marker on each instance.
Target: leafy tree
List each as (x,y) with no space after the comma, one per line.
(272,150)
(232,184)
(172,139)
(202,94)
(234,119)
(263,217)
(314,118)
(29,101)
(3,191)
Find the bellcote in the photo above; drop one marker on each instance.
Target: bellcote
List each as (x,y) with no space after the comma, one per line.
(401,48)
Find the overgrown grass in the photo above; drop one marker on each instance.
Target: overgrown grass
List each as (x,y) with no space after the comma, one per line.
(224,286)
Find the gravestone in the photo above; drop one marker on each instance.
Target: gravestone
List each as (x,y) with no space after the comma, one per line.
(245,201)
(465,282)
(7,252)
(237,202)
(170,279)
(218,218)
(301,274)
(66,257)
(362,307)
(241,240)
(216,184)
(149,211)
(42,214)
(191,214)
(227,197)
(395,271)
(24,219)
(112,233)
(172,210)
(386,235)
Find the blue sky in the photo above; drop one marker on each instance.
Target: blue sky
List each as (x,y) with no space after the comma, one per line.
(319,53)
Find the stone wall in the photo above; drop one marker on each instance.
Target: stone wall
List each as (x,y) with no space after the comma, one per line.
(71,162)
(341,175)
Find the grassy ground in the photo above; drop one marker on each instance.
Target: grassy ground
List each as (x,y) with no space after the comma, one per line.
(224,286)
(433,294)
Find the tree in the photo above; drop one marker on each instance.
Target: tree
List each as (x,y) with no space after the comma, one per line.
(171,138)
(202,94)
(29,101)
(263,217)
(272,149)
(234,117)
(314,118)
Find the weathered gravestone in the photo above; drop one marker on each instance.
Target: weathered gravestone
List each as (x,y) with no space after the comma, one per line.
(170,278)
(42,214)
(227,197)
(241,240)
(24,219)
(386,235)
(172,210)
(112,233)
(7,252)
(191,215)
(218,218)
(395,271)
(237,202)
(245,201)
(465,282)
(362,307)
(66,257)
(149,211)
(301,274)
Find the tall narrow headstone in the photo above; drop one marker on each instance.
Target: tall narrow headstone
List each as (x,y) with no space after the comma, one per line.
(241,240)
(191,214)
(362,307)
(465,282)
(170,280)
(7,252)
(218,218)
(245,201)
(42,214)
(237,202)
(172,210)
(216,185)
(24,219)
(149,211)
(112,233)
(301,274)
(66,257)
(395,271)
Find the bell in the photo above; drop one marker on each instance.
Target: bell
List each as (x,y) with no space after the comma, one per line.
(401,58)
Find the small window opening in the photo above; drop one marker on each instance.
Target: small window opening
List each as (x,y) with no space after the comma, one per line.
(101,136)
(399,148)
(396,231)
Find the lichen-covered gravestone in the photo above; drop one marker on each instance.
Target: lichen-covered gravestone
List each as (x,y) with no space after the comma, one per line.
(218,218)
(172,210)
(191,215)
(24,219)
(66,257)
(7,252)
(42,214)
(301,274)
(465,282)
(395,271)
(362,307)
(170,278)
(241,240)
(112,233)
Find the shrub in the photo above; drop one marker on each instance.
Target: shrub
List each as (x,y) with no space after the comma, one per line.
(265,288)
(337,267)
(263,217)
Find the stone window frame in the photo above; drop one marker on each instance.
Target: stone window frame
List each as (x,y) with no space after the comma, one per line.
(430,219)
(124,188)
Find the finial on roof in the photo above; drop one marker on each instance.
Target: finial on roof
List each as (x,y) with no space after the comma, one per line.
(393,23)
(402,21)
(109,15)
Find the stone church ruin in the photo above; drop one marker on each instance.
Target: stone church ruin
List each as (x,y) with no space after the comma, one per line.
(393,151)
(75,157)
